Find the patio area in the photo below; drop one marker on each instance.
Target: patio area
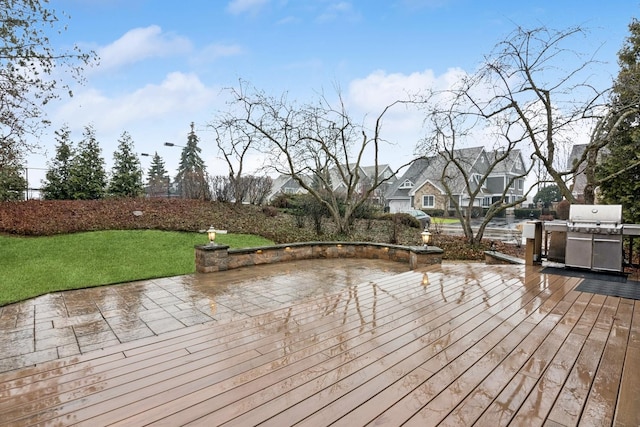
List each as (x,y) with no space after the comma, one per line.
(325,342)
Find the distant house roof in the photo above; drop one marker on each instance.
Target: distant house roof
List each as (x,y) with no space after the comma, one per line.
(440,166)
(473,160)
(371,170)
(576,152)
(512,164)
(579,178)
(285,184)
(398,190)
(366,173)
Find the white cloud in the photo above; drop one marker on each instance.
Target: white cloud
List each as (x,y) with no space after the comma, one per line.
(178,93)
(151,114)
(338,10)
(288,20)
(402,126)
(139,44)
(237,7)
(379,89)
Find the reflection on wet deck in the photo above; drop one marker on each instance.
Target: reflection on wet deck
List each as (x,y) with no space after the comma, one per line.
(333,342)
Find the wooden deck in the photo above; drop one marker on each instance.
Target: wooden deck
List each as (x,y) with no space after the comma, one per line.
(452,345)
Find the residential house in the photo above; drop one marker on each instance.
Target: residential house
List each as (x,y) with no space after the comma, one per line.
(423,186)
(366,178)
(398,198)
(579,177)
(286,184)
(506,174)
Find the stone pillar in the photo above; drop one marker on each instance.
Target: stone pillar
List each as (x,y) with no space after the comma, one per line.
(532,232)
(211,258)
(422,256)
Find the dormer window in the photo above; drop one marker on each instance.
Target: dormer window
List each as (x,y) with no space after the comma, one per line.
(406,184)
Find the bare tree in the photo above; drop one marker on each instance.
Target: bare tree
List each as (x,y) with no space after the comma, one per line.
(465,172)
(318,145)
(534,95)
(220,188)
(28,67)
(235,140)
(259,188)
(540,91)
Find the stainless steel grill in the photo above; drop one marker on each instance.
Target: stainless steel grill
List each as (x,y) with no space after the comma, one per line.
(594,237)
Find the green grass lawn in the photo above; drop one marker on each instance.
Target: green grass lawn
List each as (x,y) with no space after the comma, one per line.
(437,220)
(32,266)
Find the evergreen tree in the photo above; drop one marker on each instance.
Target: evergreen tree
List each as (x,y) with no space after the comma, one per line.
(548,195)
(88,176)
(126,175)
(619,171)
(57,183)
(12,182)
(191,177)
(158,178)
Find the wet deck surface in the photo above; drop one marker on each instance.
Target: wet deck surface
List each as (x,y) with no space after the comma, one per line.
(350,342)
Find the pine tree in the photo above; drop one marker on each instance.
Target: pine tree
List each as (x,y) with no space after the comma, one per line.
(57,183)
(12,182)
(157,178)
(619,170)
(88,176)
(191,177)
(126,175)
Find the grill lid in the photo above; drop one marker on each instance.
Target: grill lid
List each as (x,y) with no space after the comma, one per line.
(605,215)
(597,219)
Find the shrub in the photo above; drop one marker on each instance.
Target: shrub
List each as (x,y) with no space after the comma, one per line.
(366,211)
(270,211)
(562,210)
(40,218)
(281,201)
(526,213)
(501,214)
(402,219)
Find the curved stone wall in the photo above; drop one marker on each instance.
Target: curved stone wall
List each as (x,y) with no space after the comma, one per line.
(211,258)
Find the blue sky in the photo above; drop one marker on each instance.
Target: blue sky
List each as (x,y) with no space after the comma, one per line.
(164,63)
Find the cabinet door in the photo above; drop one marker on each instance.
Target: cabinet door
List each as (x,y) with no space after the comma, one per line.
(607,253)
(579,250)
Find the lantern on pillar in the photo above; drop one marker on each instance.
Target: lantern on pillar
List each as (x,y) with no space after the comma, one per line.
(426,237)
(211,233)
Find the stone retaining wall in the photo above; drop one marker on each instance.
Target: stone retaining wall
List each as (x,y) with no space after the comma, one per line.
(219,257)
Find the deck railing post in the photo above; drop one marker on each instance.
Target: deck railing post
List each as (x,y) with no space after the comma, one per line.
(211,258)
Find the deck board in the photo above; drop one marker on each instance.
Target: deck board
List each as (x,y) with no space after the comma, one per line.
(449,345)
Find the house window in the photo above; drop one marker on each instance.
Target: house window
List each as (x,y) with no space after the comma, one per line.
(486,201)
(406,184)
(520,184)
(428,201)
